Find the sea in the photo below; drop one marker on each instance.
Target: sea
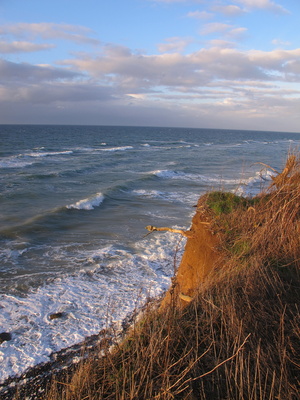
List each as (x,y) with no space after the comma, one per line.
(74,204)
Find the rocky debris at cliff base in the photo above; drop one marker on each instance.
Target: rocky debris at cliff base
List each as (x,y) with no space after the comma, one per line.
(5,337)
(34,382)
(56,315)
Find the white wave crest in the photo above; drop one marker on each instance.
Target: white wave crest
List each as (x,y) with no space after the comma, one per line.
(14,162)
(50,153)
(166,174)
(88,204)
(147,193)
(187,198)
(24,160)
(121,148)
(260,177)
(255,184)
(169,174)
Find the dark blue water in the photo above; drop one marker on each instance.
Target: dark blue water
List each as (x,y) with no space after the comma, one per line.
(74,203)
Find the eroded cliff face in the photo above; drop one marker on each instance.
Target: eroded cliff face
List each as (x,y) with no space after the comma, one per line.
(200,257)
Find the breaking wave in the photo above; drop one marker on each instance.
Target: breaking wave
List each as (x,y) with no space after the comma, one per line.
(120,148)
(88,203)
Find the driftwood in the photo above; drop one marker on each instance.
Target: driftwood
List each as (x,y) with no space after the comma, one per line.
(152,228)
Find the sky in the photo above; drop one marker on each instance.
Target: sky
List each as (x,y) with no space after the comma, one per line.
(224,64)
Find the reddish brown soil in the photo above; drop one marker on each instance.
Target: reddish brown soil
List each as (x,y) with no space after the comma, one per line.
(198,261)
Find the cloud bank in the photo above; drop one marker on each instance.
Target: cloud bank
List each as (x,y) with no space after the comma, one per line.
(188,81)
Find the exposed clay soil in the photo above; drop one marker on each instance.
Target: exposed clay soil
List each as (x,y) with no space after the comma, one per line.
(200,257)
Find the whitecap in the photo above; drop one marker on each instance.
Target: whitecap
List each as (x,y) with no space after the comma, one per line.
(182,197)
(169,174)
(255,184)
(147,193)
(120,148)
(166,174)
(14,162)
(88,203)
(50,153)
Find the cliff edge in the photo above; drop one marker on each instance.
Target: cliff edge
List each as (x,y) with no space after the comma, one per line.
(201,255)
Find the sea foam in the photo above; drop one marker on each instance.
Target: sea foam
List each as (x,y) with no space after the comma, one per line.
(120,148)
(113,283)
(49,154)
(14,162)
(88,203)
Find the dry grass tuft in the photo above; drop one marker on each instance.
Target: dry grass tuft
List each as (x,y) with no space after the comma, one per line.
(239,339)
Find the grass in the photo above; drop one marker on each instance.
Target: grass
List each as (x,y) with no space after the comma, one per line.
(225,202)
(239,338)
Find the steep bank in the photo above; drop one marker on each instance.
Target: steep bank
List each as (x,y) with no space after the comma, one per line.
(238,336)
(201,255)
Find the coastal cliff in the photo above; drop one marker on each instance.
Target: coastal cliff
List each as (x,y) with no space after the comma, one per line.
(201,255)
(229,326)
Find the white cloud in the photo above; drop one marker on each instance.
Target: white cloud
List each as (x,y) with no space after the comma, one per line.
(65,92)
(123,72)
(237,32)
(200,14)
(230,10)
(264,4)
(221,43)
(174,44)
(16,73)
(275,59)
(228,31)
(74,33)
(179,89)
(215,27)
(247,106)
(113,84)
(22,47)
(280,43)
(121,68)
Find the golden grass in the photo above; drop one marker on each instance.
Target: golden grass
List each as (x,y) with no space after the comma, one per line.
(240,337)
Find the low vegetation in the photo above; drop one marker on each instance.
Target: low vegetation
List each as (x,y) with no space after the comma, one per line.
(239,338)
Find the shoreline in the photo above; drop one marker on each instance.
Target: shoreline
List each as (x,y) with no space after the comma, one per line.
(35,380)
(60,362)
